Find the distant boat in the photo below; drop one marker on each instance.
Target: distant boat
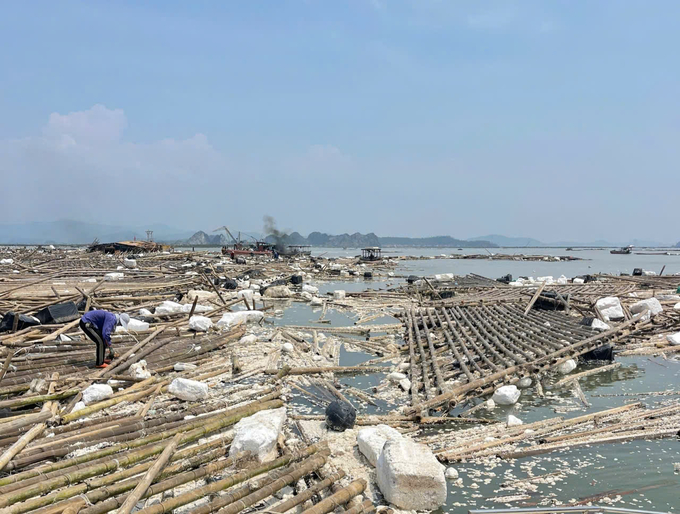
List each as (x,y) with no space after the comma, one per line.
(622,251)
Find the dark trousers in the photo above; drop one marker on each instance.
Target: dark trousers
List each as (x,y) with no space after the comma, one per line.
(95,335)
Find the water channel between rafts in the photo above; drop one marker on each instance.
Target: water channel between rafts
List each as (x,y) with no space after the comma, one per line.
(641,471)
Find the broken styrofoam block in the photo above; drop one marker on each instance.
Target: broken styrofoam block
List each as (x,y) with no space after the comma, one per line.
(599,325)
(230,319)
(287,347)
(524,382)
(113,276)
(651,306)
(258,434)
(6,261)
(306,296)
(316,302)
(567,367)
(145,312)
(278,292)
(200,323)
(610,308)
(405,384)
(674,339)
(396,376)
(246,293)
(130,263)
(506,395)
(306,288)
(96,393)
(78,406)
(371,441)
(451,474)
(338,294)
(203,296)
(578,280)
(409,476)
(562,281)
(168,307)
(139,370)
(676,307)
(184,366)
(188,390)
(249,339)
(514,421)
(134,325)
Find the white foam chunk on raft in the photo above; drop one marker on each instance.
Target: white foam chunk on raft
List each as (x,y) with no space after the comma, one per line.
(651,306)
(371,441)
(96,393)
(506,395)
(610,308)
(229,319)
(200,323)
(410,477)
(188,390)
(258,434)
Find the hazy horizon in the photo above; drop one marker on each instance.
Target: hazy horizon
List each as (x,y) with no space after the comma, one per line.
(554,121)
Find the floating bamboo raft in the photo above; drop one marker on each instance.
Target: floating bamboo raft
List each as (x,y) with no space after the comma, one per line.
(481,347)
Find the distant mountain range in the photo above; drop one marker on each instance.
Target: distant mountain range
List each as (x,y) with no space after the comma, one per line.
(78,232)
(358,240)
(505,241)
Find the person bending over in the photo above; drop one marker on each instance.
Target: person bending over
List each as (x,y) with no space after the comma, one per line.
(98,326)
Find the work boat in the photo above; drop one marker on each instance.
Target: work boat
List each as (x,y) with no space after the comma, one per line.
(623,251)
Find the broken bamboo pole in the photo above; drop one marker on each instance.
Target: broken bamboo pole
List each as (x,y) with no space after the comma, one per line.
(308,493)
(151,474)
(341,497)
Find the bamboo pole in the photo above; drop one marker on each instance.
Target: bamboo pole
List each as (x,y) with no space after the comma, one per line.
(8,360)
(520,434)
(9,454)
(329,369)
(308,493)
(344,495)
(90,409)
(365,507)
(56,334)
(39,398)
(587,373)
(197,429)
(198,493)
(108,371)
(534,298)
(150,475)
(635,435)
(245,497)
(144,410)
(97,490)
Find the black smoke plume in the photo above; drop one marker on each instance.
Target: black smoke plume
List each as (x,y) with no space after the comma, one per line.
(271,230)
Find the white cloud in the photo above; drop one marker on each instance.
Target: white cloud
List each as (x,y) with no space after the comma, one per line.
(81,163)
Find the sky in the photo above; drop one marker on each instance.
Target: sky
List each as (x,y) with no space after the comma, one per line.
(558,120)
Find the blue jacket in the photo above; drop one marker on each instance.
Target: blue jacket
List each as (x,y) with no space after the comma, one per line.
(104,321)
